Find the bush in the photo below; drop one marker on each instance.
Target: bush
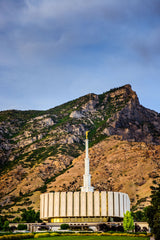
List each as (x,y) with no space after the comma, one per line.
(120,229)
(22,227)
(17,236)
(6,226)
(54,234)
(41,235)
(103,227)
(64,226)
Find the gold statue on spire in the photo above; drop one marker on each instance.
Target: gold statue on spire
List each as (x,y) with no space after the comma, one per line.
(87,134)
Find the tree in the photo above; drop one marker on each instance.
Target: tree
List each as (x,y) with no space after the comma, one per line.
(30,216)
(153,211)
(1,223)
(128,223)
(6,226)
(16,220)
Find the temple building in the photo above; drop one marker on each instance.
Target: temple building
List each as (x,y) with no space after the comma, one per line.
(86,206)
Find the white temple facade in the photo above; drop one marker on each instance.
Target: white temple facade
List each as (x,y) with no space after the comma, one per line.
(87,206)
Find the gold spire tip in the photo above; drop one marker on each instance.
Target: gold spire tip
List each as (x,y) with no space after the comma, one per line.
(87,134)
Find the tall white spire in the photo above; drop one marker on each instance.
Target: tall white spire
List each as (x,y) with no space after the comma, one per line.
(87,177)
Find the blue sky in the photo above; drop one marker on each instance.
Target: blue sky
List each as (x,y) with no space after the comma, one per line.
(53,51)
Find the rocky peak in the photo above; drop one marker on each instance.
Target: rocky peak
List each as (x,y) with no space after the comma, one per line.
(123,93)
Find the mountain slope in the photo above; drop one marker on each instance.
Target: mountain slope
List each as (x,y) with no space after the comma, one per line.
(38,146)
(116,165)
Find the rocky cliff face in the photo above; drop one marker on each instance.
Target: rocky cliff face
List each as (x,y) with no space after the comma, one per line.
(37,146)
(135,123)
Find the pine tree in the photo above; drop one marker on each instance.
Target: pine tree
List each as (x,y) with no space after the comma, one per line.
(153,211)
(128,223)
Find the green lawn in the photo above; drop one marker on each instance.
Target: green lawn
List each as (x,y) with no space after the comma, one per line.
(91,238)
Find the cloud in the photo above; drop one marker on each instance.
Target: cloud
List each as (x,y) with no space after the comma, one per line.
(147,45)
(66,42)
(44,28)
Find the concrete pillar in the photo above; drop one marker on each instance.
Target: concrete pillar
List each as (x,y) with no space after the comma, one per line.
(63,204)
(56,204)
(70,204)
(121,204)
(83,204)
(46,205)
(76,204)
(90,204)
(51,205)
(116,204)
(103,204)
(110,204)
(96,204)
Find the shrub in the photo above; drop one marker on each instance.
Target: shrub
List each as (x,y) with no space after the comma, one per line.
(17,236)
(120,229)
(128,222)
(6,226)
(41,235)
(22,227)
(103,227)
(64,226)
(54,234)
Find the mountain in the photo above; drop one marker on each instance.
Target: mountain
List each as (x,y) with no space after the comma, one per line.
(40,150)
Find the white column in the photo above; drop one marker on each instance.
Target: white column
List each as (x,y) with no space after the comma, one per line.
(56,204)
(63,204)
(83,204)
(70,204)
(76,204)
(103,204)
(96,204)
(124,203)
(116,204)
(90,204)
(110,204)
(51,209)
(121,204)
(46,198)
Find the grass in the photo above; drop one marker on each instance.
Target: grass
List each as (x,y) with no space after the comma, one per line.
(91,238)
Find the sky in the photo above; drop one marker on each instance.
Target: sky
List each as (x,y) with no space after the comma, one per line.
(53,51)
